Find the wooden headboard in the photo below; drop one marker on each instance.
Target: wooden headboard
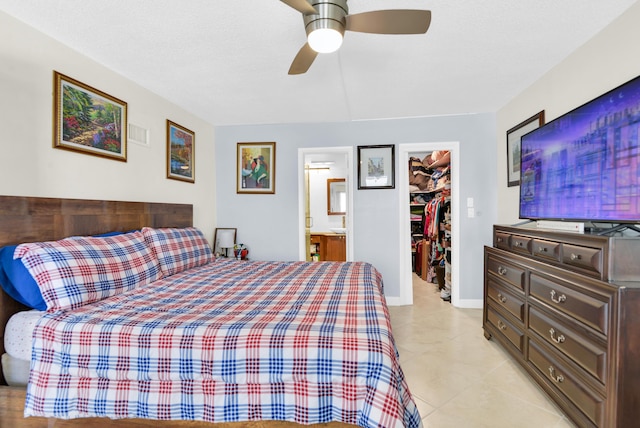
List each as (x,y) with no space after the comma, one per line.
(30,219)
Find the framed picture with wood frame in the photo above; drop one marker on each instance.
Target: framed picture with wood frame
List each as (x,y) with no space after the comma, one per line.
(513,146)
(87,120)
(256,168)
(181,153)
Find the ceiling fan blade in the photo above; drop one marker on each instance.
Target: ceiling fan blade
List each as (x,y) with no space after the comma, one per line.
(301,6)
(303,60)
(396,21)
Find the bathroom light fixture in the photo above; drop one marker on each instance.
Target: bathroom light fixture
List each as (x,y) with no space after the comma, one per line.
(321,163)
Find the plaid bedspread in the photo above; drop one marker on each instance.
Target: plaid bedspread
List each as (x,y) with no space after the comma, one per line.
(228,341)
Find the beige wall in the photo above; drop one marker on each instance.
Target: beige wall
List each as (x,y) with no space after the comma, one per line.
(606,61)
(31,167)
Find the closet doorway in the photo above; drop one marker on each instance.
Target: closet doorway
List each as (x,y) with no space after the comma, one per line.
(406,257)
(325,163)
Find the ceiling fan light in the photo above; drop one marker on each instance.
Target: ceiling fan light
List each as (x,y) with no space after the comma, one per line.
(325,40)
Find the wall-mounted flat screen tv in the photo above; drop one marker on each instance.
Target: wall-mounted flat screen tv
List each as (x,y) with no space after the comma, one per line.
(585,165)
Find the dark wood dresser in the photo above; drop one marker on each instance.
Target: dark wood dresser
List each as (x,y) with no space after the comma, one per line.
(567,307)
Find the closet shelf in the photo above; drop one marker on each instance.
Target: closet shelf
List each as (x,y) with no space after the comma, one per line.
(432,191)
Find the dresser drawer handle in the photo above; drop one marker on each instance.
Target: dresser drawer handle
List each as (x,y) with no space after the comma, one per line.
(501,325)
(519,244)
(556,378)
(502,270)
(576,256)
(499,239)
(502,298)
(542,249)
(557,339)
(560,298)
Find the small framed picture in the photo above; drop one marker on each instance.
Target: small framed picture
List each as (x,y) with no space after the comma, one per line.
(376,167)
(256,168)
(88,120)
(513,146)
(181,153)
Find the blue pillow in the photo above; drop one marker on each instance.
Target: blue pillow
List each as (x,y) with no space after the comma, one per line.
(18,282)
(107,234)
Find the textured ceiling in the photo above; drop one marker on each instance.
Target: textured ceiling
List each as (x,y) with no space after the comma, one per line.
(227,61)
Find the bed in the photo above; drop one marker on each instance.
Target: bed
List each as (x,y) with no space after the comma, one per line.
(216,340)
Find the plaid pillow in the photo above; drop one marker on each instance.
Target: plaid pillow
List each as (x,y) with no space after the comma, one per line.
(76,271)
(178,249)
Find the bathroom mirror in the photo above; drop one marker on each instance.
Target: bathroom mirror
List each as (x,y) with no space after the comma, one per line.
(336,196)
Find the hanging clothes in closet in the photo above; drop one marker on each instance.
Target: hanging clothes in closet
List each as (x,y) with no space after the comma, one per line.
(437,236)
(435,251)
(430,187)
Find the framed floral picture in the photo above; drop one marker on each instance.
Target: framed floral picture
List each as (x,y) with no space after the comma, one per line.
(256,168)
(181,152)
(88,120)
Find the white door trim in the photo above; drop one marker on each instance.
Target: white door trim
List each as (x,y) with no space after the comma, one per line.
(404,247)
(348,152)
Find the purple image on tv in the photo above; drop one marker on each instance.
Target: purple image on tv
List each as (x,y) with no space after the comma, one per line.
(584,165)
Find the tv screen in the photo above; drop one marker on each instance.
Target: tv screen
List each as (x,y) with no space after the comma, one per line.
(584,165)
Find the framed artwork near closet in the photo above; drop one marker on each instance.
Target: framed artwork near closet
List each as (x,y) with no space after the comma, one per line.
(376,167)
(513,145)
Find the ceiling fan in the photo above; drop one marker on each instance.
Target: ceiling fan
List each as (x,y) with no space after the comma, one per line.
(325,22)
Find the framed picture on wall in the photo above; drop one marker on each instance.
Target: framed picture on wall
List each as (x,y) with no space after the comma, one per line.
(181,153)
(88,120)
(376,167)
(256,168)
(513,146)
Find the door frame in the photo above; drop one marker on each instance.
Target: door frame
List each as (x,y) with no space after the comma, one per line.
(404,249)
(302,152)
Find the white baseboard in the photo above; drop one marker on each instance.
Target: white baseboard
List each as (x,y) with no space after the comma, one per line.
(463,303)
(395,301)
(469,304)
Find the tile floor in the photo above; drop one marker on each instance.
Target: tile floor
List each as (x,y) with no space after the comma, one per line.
(457,377)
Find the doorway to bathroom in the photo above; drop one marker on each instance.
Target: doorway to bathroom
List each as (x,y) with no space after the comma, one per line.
(325,203)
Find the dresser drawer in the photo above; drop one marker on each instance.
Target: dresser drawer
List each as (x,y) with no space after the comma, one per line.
(586,258)
(521,244)
(568,300)
(506,328)
(506,299)
(507,272)
(567,340)
(558,374)
(546,250)
(501,240)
